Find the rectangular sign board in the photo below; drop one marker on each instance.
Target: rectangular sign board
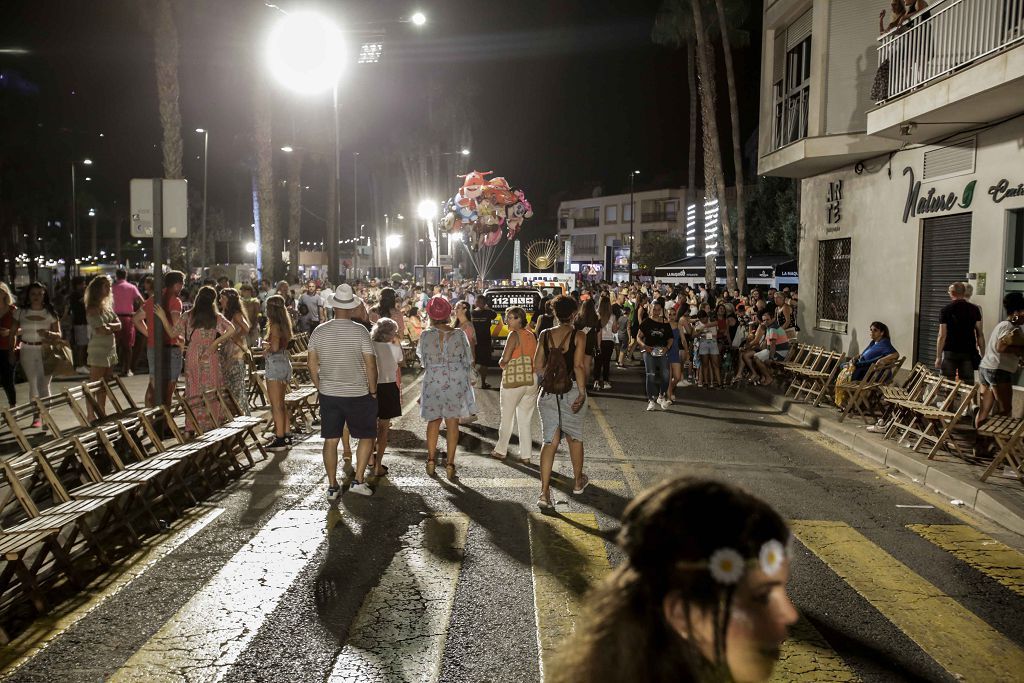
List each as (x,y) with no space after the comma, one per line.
(175,203)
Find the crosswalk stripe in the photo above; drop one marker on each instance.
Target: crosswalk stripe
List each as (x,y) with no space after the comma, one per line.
(807,656)
(49,627)
(399,632)
(207,634)
(987,555)
(950,634)
(567,557)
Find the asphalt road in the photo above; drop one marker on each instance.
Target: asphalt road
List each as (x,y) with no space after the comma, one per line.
(430,580)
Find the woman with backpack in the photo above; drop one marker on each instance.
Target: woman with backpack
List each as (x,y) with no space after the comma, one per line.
(518,397)
(561,359)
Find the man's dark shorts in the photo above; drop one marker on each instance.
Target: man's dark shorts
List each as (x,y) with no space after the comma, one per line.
(960,365)
(358,412)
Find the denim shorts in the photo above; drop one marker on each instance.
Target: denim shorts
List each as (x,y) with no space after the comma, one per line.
(279,366)
(991,378)
(174,353)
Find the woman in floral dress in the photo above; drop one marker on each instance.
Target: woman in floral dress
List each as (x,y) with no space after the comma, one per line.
(234,357)
(447,394)
(205,331)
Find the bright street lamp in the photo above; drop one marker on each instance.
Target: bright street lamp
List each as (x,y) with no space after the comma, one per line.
(287,148)
(306,53)
(465,152)
(87,162)
(427,209)
(418,18)
(250,247)
(391,242)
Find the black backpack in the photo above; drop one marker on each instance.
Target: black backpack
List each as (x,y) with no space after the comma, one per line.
(556,379)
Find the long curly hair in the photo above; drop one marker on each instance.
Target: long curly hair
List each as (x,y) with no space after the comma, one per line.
(623,636)
(95,297)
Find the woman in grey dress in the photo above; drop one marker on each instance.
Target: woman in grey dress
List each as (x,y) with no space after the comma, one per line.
(447,394)
(104,324)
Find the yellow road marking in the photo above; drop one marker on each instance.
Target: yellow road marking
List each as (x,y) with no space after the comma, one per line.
(807,656)
(987,555)
(568,557)
(953,636)
(48,628)
(628,471)
(208,633)
(399,632)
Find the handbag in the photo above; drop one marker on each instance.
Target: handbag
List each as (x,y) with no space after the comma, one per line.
(57,360)
(518,373)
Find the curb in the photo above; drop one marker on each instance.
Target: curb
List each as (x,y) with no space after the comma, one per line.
(984,499)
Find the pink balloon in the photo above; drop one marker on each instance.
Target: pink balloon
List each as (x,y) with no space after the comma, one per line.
(492,238)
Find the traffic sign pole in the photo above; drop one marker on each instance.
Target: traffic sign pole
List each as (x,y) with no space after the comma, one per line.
(159,347)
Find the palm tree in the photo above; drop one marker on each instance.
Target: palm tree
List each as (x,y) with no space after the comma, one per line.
(737,157)
(673,26)
(714,179)
(165,43)
(264,153)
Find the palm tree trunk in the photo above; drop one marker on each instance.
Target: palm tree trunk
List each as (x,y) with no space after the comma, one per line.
(294,212)
(262,134)
(165,40)
(737,157)
(692,197)
(714,179)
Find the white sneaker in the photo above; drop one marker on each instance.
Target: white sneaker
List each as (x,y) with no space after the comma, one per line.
(362,489)
(651,405)
(606,385)
(82,370)
(129,374)
(597,385)
(664,403)
(878,429)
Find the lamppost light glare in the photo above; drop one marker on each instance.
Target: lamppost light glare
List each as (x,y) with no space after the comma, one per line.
(427,209)
(287,148)
(200,130)
(250,247)
(305,52)
(465,152)
(418,18)
(87,162)
(394,241)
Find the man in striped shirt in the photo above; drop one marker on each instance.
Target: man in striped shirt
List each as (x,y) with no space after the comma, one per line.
(344,370)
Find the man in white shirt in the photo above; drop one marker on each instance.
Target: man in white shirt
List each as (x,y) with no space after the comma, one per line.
(343,367)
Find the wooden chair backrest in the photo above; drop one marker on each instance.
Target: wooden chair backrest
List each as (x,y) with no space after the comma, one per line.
(68,401)
(14,473)
(916,376)
(19,418)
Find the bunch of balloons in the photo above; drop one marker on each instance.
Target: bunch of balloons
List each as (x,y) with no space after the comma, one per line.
(482,207)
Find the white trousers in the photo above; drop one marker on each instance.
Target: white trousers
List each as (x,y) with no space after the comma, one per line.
(32,366)
(519,404)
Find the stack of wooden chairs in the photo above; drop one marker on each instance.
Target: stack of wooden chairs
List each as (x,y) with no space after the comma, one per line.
(80,493)
(809,372)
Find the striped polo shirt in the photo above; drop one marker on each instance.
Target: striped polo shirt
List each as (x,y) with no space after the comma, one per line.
(340,345)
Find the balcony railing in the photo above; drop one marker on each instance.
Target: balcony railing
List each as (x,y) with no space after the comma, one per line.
(587,222)
(945,38)
(658,217)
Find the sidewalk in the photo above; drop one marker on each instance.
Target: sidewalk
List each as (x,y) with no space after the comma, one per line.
(1001,499)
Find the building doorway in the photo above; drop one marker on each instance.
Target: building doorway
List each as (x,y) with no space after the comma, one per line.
(945,259)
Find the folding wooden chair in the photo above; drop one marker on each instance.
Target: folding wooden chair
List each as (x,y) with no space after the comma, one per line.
(815,382)
(19,421)
(940,394)
(1008,433)
(864,393)
(32,558)
(940,424)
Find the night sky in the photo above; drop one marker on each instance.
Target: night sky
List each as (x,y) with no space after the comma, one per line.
(564,95)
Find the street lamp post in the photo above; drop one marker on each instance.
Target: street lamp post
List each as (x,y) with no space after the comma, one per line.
(391,242)
(427,209)
(632,215)
(202,240)
(74,219)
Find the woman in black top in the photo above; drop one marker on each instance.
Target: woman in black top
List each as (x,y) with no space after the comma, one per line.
(656,337)
(545,320)
(589,324)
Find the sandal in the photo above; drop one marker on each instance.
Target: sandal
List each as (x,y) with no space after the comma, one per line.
(545,503)
(449,470)
(580,489)
(381,471)
(431,464)
(498,456)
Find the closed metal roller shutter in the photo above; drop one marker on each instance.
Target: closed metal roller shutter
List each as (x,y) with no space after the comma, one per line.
(798,30)
(945,259)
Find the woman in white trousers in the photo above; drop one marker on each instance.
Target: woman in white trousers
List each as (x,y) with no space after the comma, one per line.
(517,403)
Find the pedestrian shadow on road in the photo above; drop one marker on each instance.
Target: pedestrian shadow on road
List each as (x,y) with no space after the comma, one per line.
(503,519)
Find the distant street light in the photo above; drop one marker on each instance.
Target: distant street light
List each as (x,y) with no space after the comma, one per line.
(465,152)
(250,247)
(426,210)
(287,148)
(418,18)
(87,162)
(391,242)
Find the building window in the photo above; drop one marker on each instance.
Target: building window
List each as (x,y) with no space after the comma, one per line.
(627,212)
(584,244)
(792,94)
(833,284)
(590,217)
(611,214)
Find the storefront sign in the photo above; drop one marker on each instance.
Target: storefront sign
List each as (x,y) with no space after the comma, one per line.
(1002,190)
(932,202)
(833,206)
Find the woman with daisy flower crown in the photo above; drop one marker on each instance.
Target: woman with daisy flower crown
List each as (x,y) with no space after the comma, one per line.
(694,600)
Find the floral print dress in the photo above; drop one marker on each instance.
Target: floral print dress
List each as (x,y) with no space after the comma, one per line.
(447,360)
(202,368)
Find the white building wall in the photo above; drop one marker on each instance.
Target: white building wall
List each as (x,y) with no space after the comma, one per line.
(885,251)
